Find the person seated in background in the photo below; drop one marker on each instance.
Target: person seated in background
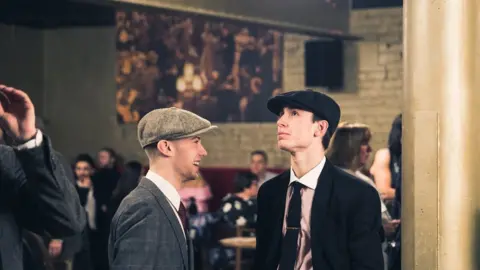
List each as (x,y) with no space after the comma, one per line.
(195,195)
(236,209)
(258,166)
(239,208)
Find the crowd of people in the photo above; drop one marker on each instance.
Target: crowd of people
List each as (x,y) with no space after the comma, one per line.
(329,208)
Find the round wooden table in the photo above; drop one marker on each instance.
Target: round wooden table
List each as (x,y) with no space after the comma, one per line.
(240,242)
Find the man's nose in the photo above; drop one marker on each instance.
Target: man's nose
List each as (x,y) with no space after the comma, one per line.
(281,121)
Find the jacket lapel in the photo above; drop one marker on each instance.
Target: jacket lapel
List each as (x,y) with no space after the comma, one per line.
(321,222)
(281,197)
(278,205)
(169,213)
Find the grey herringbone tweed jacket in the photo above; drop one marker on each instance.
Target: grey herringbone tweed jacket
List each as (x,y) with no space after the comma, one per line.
(146,234)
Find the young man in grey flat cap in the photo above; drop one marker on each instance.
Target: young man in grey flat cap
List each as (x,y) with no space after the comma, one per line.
(315,215)
(149,229)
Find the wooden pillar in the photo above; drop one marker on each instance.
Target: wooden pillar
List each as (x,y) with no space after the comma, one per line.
(441,163)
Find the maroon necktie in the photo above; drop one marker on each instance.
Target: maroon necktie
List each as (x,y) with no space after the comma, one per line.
(182,213)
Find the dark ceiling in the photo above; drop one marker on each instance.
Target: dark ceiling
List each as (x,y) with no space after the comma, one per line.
(55,14)
(68,13)
(363,4)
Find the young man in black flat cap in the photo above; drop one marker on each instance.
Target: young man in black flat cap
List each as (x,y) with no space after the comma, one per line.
(315,216)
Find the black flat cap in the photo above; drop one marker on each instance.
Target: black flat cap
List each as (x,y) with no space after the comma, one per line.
(318,103)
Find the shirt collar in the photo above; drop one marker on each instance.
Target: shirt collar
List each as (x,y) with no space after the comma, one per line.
(166,188)
(310,179)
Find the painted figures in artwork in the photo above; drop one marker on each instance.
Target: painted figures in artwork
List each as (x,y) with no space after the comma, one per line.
(223,71)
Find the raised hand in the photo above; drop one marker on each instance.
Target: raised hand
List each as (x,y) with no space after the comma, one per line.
(17,114)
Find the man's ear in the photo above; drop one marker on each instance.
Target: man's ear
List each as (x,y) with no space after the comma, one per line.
(165,148)
(321,128)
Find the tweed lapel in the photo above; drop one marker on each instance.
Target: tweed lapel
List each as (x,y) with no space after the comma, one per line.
(169,213)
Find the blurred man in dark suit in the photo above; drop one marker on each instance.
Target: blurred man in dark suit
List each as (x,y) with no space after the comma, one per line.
(35,193)
(62,251)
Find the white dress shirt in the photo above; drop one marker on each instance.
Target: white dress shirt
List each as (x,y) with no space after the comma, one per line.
(310,179)
(35,142)
(169,191)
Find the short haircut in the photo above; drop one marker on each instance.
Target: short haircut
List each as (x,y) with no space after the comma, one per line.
(151,150)
(261,153)
(244,180)
(326,138)
(85,158)
(110,151)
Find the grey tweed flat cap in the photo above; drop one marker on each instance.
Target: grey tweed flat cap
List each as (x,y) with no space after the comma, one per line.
(170,124)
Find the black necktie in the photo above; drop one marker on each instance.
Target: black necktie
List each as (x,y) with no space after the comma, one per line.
(290,240)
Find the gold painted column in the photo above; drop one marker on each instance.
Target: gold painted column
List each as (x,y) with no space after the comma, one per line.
(441,163)
(474,162)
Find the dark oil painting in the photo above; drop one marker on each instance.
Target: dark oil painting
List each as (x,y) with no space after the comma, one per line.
(222,70)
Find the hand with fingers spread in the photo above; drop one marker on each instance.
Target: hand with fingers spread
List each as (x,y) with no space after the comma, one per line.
(17,114)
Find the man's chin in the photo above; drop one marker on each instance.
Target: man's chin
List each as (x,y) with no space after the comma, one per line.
(283,146)
(192,177)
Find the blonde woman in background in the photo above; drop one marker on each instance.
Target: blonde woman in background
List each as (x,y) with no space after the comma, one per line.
(350,149)
(199,190)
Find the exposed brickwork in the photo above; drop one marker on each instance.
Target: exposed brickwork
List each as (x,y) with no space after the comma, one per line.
(376,99)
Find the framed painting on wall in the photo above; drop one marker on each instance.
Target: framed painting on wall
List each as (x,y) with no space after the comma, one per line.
(222,70)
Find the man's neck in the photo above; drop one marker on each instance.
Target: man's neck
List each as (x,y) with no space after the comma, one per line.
(303,162)
(168,174)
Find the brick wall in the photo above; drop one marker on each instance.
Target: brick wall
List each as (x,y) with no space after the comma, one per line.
(374,95)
